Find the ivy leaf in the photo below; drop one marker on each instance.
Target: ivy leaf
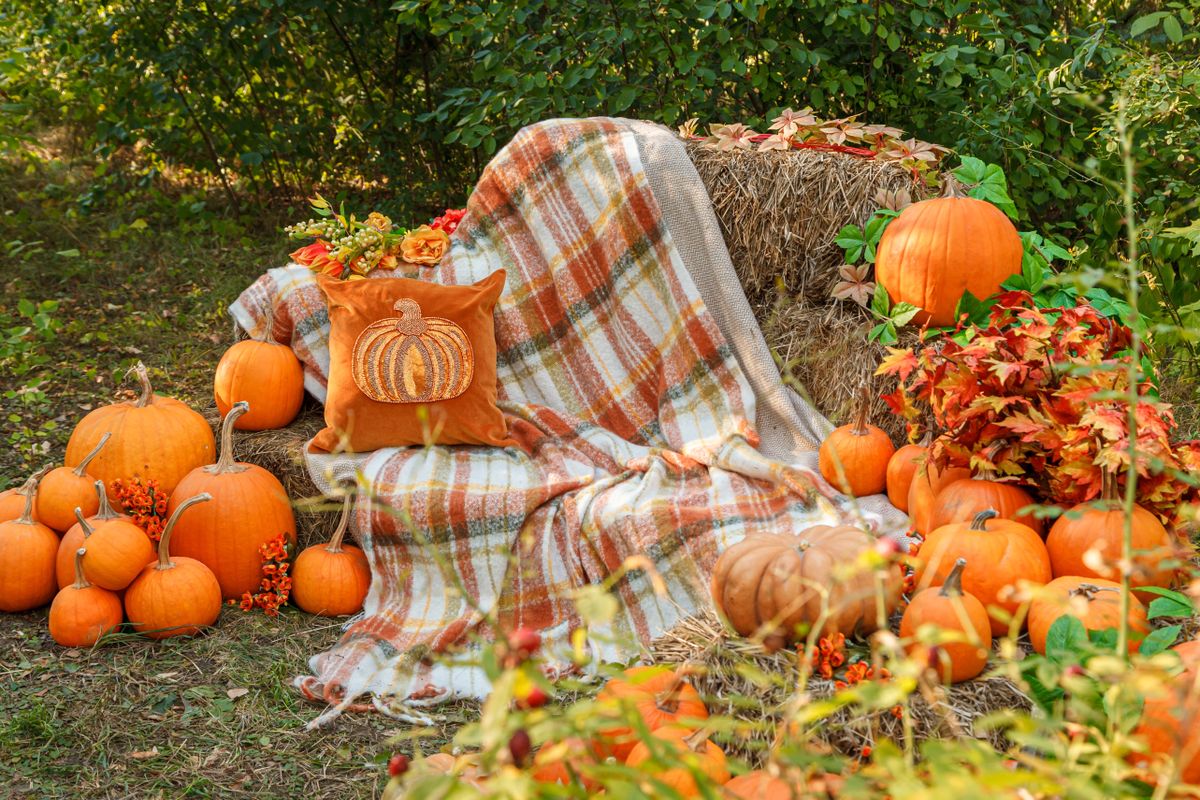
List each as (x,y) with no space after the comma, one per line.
(881,304)
(1067,638)
(987,183)
(975,309)
(884,333)
(902,314)
(852,240)
(1159,639)
(1105,639)
(1169,603)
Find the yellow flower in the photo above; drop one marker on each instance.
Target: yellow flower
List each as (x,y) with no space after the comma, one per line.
(379,222)
(425,245)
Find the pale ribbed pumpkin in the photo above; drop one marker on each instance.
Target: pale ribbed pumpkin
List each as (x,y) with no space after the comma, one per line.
(76,535)
(249,508)
(27,550)
(67,488)
(332,579)
(152,437)
(939,248)
(267,375)
(81,613)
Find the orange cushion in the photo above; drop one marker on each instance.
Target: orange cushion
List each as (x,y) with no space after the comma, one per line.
(411,363)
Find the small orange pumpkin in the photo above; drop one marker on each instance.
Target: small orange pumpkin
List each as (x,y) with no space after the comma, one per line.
(27,550)
(951,609)
(332,579)
(173,596)
(81,613)
(901,469)
(854,458)
(66,488)
(117,551)
(267,375)
(560,762)
(762,785)
(658,694)
(1001,554)
(152,437)
(1189,653)
(12,501)
(1094,601)
(74,538)
(693,748)
(250,508)
(961,500)
(926,483)
(937,249)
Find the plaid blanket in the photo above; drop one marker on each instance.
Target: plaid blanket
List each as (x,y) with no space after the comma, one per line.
(635,425)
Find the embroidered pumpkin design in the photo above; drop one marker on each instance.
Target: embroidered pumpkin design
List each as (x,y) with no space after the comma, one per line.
(411,358)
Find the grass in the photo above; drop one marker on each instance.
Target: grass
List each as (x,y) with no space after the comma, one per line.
(146,276)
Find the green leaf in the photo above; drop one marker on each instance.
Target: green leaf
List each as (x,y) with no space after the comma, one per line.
(902,314)
(1145,23)
(1172,29)
(1159,639)
(976,310)
(881,304)
(1105,639)
(1066,639)
(1169,604)
(26,308)
(72,253)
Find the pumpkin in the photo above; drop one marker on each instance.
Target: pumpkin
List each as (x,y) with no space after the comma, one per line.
(772,583)
(77,534)
(27,550)
(412,359)
(117,551)
(173,596)
(926,483)
(658,694)
(1189,653)
(762,785)
(961,500)
(901,469)
(692,748)
(250,508)
(81,613)
(1170,726)
(12,501)
(1094,601)
(152,437)
(560,763)
(267,375)
(949,608)
(1000,554)
(939,248)
(331,579)
(855,457)
(67,488)
(1102,526)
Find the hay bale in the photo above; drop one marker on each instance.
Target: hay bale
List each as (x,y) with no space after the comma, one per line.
(738,679)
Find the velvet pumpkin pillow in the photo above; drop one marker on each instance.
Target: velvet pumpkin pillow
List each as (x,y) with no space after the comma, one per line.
(411,363)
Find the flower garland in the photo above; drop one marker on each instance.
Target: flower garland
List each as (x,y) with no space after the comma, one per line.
(276,585)
(145,503)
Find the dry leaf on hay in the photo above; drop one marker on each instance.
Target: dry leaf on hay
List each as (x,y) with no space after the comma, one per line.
(853,284)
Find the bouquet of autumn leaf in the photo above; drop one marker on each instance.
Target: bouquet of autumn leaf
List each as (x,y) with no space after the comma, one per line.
(1040,396)
(349,248)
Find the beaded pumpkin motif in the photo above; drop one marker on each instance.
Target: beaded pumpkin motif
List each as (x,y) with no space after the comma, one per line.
(412,358)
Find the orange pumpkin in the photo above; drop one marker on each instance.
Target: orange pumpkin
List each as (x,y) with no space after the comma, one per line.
(332,579)
(560,763)
(173,596)
(27,551)
(1170,726)
(250,508)
(1102,526)
(961,500)
(152,437)
(67,488)
(950,609)
(926,483)
(939,248)
(12,501)
(1000,555)
(81,613)
(1094,601)
(761,785)
(693,749)
(901,469)
(117,551)
(74,538)
(855,457)
(658,694)
(780,583)
(1189,652)
(267,375)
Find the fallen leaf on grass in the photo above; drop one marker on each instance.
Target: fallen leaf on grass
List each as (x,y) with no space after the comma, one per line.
(234,694)
(142,755)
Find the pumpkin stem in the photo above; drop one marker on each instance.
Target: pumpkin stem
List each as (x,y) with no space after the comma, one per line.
(668,699)
(980,521)
(106,511)
(1108,486)
(81,469)
(143,376)
(84,525)
(696,739)
(225,462)
(335,541)
(926,440)
(164,542)
(81,582)
(861,412)
(1089,590)
(952,586)
(31,483)
(410,322)
(951,187)
(30,492)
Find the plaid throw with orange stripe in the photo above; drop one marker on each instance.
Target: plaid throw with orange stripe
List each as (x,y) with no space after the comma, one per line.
(634,420)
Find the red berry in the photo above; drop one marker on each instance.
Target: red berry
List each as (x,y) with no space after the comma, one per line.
(397,765)
(1073,671)
(519,747)
(524,642)
(535,699)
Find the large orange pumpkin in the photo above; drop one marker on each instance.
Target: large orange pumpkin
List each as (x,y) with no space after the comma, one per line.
(152,437)
(1101,526)
(779,583)
(950,609)
(249,508)
(1094,601)
(267,375)
(12,501)
(901,469)
(81,613)
(332,579)
(939,248)
(27,550)
(693,748)
(855,457)
(926,483)
(173,596)
(66,489)
(1000,555)
(658,694)
(961,500)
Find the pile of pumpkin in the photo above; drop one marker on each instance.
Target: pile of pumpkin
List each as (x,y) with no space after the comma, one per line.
(62,542)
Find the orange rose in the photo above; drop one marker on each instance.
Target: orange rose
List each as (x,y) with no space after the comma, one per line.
(316,257)
(425,245)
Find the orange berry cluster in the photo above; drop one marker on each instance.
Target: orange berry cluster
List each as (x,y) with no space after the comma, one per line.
(276,584)
(829,655)
(145,503)
(858,672)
